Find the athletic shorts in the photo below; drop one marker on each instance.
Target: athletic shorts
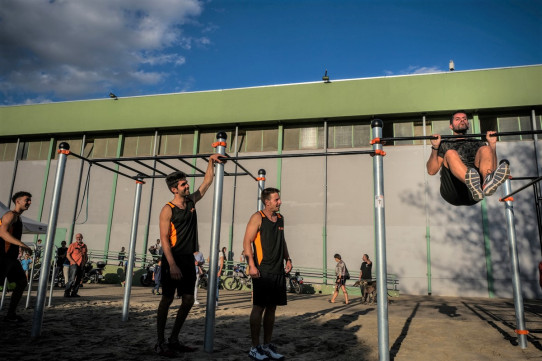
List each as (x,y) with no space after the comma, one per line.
(269,290)
(340,281)
(453,190)
(184,286)
(12,269)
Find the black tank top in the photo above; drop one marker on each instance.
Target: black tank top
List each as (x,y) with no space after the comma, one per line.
(269,245)
(9,250)
(183,229)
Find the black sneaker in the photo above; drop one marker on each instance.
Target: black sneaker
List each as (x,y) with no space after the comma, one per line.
(271,352)
(495,179)
(179,347)
(258,354)
(74,295)
(66,294)
(162,349)
(472,180)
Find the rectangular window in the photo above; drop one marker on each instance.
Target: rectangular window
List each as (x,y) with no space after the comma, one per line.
(138,146)
(304,138)
(418,132)
(362,135)
(405,129)
(257,140)
(514,124)
(35,150)
(104,147)
(206,140)
(176,144)
(7,151)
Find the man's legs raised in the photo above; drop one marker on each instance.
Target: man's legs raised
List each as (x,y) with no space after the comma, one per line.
(453,162)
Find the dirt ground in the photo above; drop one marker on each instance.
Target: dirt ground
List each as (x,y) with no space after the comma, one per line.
(308,328)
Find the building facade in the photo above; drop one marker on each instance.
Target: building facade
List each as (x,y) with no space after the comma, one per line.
(328,202)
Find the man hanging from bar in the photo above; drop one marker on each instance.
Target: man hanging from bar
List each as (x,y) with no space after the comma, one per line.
(468,167)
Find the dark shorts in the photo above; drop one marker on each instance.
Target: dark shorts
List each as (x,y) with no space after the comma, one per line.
(184,286)
(340,281)
(269,290)
(453,190)
(12,269)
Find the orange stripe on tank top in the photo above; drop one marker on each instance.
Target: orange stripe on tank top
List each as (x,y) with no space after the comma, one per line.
(258,247)
(172,235)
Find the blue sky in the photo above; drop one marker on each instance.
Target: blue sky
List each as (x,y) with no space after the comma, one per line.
(74,50)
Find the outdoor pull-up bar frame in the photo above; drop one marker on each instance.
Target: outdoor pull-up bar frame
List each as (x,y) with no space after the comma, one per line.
(453,136)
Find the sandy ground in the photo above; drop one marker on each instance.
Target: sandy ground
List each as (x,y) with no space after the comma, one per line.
(308,328)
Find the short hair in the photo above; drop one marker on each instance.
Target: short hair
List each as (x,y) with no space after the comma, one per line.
(366,255)
(338,256)
(173,179)
(266,193)
(19,195)
(456,112)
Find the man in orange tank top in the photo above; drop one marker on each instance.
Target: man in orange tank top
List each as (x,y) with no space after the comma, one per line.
(179,238)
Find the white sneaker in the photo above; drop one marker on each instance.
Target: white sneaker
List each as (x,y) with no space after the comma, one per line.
(258,354)
(196,302)
(271,351)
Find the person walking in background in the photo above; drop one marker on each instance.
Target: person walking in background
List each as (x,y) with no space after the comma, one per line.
(156,276)
(122,255)
(26,262)
(342,275)
(11,230)
(77,256)
(365,275)
(199,261)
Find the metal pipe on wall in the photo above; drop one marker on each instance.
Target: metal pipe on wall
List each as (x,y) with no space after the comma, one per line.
(82,153)
(14,175)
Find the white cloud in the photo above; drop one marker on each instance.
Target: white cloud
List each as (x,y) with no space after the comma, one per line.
(415,69)
(69,48)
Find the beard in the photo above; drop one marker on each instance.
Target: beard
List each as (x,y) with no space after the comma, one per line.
(461,129)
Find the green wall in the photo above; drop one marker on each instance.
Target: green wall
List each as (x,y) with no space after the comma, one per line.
(470,90)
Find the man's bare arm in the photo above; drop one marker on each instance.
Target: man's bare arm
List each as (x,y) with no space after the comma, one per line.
(208,178)
(250,234)
(434,162)
(165,220)
(7,220)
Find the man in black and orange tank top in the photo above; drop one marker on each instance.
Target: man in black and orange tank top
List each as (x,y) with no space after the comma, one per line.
(179,238)
(11,230)
(266,250)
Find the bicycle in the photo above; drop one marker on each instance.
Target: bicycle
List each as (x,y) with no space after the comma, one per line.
(238,280)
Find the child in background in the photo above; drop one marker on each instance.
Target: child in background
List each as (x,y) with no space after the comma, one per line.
(156,277)
(25,262)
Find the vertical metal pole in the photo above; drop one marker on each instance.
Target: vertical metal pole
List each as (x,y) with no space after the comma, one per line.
(261,187)
(52,285)
(64,150)
(81,164)
(535,141)
(31,280)
(215,242)
(324,228)
(514,263)
(14,175)
(230,239)
(426,197)
(380,241)
(131,252)
(4,290)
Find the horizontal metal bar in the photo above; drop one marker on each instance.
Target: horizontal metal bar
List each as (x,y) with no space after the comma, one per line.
(136,171)
(452,136)
(299,155)
(148,166)
(521,188)
(191,165)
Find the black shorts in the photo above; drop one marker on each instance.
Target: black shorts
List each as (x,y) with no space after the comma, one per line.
(12,269)
(184,286)
(453,190)
(269,290)
(340,281)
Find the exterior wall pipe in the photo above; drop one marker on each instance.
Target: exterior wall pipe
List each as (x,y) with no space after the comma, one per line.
(514,263)
(64,150)
(131,252)
(230,236)
(14,175)
(426,203)
(215,242)
(82,163)
(380,241)
(261,187)
(324,228)
(151,193)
